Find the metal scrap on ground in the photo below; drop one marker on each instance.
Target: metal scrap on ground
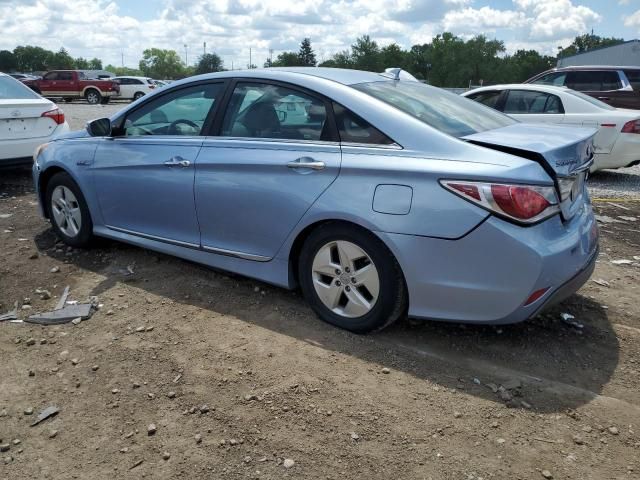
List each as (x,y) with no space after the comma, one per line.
(64,312)
(46,413)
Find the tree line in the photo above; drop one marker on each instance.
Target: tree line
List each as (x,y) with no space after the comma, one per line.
(447,61)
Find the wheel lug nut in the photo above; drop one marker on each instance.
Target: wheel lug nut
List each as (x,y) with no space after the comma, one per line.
(347,269)
(347,288)
(353,279)
(338,283)
(338,272)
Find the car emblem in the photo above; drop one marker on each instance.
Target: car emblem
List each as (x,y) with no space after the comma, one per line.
(16,113)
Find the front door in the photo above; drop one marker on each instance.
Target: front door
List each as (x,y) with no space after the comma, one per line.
(275,155)
(144,178)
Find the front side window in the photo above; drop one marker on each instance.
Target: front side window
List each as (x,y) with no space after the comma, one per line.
(260,110)
(51,76)
(182,112)
(65,76)
(528,101)
(442,110)
(490,99)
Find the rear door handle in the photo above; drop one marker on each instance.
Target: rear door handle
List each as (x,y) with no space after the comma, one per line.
(177,162)
(306,162)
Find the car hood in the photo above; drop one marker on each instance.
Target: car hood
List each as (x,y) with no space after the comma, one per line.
(74,134)
(560,150)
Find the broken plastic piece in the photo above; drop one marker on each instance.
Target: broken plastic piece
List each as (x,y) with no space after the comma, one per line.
(11,314)
(64,315)
(46,413)
(63,298)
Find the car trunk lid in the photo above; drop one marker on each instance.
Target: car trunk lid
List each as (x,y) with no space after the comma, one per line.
(20,119)
(566,154)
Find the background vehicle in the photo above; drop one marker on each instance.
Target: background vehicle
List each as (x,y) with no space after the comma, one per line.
(23,76)
(617,86)
(617,143)
(387,197)
(26,121)
(134,87)
(72,84)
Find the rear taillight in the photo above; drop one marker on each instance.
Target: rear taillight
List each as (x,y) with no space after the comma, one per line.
(521,203)
(631,127)
(57,115)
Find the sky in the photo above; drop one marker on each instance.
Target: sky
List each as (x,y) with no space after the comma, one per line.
(117,31)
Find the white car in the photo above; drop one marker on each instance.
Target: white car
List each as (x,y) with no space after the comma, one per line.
(26,121)
(134,87)
(617,143)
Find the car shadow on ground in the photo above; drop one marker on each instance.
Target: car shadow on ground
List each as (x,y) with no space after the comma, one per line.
(544,364)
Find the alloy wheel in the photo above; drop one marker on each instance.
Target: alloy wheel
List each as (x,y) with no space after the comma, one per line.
(345,279)
(66,211)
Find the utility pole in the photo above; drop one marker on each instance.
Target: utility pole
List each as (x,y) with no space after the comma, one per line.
(122,56)
(250,57)
(205,48)
(270,56)
(186,55)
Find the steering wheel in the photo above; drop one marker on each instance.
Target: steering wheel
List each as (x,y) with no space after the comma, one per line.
(174,130)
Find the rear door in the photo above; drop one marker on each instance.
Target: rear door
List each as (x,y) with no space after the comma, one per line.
(531,106)
(48,84)
(67,84)
(144,178)
(276,152)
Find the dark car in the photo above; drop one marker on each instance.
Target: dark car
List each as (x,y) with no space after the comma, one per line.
(617,86)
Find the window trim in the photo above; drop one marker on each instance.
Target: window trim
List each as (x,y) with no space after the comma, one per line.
(216,128)
(118,124)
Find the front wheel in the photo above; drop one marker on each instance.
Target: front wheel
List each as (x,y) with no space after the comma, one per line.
(93,97)
(350,279)
(68,211)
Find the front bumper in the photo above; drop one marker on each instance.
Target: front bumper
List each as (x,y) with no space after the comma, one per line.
(488,275)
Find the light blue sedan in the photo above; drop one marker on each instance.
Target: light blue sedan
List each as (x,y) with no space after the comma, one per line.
(375,194)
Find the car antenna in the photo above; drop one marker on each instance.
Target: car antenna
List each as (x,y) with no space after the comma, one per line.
(397,74)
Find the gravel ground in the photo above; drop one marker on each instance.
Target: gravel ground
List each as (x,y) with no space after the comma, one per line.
(185,372)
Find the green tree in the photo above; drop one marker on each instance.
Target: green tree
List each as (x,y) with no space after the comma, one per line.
(306,55)
(209,62)
(365,54)
(339,60)
(95,64)
(393,56)
(286,59)
(588,41)
(8,61)
(160,63)
(122,71)
(32,59)
(81,63)
(61,60)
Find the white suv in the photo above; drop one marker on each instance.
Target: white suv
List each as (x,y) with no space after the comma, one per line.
(134,87)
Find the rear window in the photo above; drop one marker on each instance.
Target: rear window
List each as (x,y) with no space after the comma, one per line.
(442,110)
(591,100)
(593,80)
(10,89)
(634,78)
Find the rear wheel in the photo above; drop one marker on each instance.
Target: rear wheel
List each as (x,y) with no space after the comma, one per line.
(138,96)
(350,278)
(93,97)
(68,211)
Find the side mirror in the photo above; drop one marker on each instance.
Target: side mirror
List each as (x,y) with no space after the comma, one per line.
(99,128)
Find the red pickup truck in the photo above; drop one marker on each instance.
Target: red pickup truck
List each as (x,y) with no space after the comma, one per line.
(72,84)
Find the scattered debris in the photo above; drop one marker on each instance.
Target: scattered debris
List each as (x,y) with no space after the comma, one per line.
(10,315)
(63,298)
(385,370)
(64,315)
(48,412)
(570,320)
(137,464)
(152,429)
(607,219)
(6,215)
(546,474)
(288,463)
(602,283)
(627,219)
(622,262)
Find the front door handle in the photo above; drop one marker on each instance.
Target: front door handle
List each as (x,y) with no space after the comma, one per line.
(177,162)
(306,162)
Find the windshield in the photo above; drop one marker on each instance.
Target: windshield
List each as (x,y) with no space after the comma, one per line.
(591,100)
(10,89)
(445,111)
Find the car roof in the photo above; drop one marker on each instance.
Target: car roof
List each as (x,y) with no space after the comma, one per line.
(595,67)
(339,75)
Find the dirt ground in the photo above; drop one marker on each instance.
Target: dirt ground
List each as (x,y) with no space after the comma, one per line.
(240,378)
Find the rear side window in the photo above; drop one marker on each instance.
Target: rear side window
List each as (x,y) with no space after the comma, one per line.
(51,76)
(556,78)
(490,99)
(65,76)
(527,101)
(634,78)
(593,81)
(354,129)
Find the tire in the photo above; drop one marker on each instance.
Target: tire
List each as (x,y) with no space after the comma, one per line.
(138,96)
(325,256)
(70,217)
(93,96)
